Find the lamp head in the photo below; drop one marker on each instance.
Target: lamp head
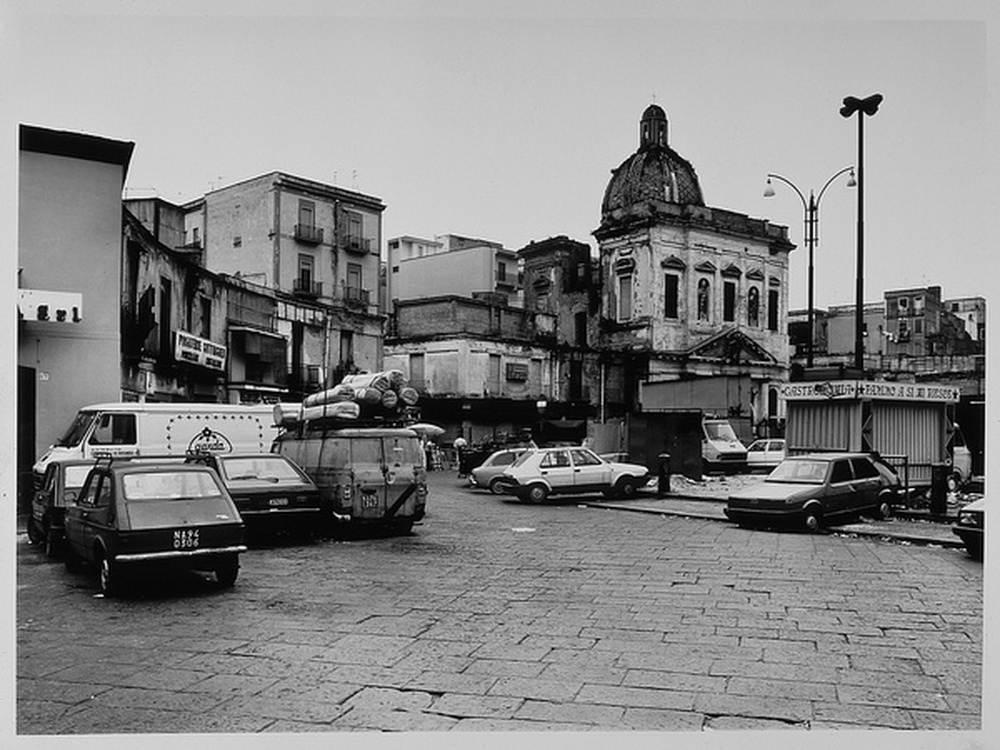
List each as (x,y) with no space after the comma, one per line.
(869,105)
(851,182)
(769,189)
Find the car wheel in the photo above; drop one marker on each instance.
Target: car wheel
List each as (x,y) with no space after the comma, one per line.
(226,571)
(35,535)
(108,575)
(496,486)
(625,488)
(974,550)
(537,494)
(813,519)
(884,507)
(53,541)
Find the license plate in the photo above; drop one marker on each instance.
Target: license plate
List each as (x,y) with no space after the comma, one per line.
(369,500)
(277,502)
(185,538)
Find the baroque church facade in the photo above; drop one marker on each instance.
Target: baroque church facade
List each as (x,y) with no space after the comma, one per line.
(694,298)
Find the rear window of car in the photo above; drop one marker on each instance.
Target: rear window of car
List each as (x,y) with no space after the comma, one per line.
(259,468)
(170,485)
(863,468)
(76,476)
(502,459)
(522,458)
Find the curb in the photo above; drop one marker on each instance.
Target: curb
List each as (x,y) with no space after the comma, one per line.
(870,533)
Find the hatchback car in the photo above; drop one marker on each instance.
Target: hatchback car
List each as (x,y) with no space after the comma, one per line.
(59,489)
(489,473)
(541,472)
(271,492)
(765,454)
(141,516)
(818,489)
(971,526)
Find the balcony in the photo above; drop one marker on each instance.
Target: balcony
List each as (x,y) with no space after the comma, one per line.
(360,245)
(355,297)
(308,234)
(307,288)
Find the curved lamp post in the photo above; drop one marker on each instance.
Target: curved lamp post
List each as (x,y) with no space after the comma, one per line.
(811,224)
(867,106)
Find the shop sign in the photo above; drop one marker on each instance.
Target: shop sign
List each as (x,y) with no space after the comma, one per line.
(198,351)
(868,389)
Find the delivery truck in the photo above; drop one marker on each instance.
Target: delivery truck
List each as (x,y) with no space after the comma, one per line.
(162,429)
(911,425)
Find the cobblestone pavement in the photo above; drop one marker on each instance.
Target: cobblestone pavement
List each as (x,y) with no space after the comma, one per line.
(494,615)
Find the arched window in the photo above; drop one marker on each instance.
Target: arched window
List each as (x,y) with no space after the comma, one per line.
(753,307)
(704,299)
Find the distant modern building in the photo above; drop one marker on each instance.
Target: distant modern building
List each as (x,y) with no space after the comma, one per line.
(450,265)
(69,250)
(694,299)
(318,247)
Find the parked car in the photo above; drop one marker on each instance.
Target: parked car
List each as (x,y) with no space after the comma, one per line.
(142,516)
(765,454)
(271,492)
(541,472)
(971,526)
(818,489)
(489,473)
(60,486)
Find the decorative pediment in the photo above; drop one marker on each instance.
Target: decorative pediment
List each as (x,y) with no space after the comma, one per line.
(624,265)
(732,346)
(774,281)
(672,261)
(732,271)
(755,275)
(705,267)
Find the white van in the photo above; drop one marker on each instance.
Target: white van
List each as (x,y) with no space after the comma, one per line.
(131,429)
(721,450)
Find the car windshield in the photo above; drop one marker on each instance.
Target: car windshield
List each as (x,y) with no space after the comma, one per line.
(719,431)
(74,435)
(170,485)
(800,471)
(261,468)
(759,445)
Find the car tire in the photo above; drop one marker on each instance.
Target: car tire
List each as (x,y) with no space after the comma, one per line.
(35,535)
(108,575)
(884,509)
(974,550)
(625,488)
(536,493)
(813,520)
(227,571)
(496,486)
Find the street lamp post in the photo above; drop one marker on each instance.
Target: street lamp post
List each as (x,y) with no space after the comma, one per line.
(811,223)
(867,106)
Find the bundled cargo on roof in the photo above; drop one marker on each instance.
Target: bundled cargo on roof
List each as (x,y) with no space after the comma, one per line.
(380,396)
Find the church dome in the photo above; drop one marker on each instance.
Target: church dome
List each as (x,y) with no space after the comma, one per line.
(655,172)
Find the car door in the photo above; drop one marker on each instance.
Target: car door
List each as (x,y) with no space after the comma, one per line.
(556,468)
(840,488)
(91,515)
(590,473)
(866,483)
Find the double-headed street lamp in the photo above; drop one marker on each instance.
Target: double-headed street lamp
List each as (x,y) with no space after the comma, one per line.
(811,222)
(867,106)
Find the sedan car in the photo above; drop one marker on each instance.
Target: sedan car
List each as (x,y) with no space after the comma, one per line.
(271,492)
(489,473)
(541,472)
(59,489)
(141,516)
(765,454)
(971,526)
(818,489)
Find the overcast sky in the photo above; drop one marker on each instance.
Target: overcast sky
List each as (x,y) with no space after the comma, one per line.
(504,121)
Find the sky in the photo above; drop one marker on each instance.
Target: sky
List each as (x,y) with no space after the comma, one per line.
(504,121)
